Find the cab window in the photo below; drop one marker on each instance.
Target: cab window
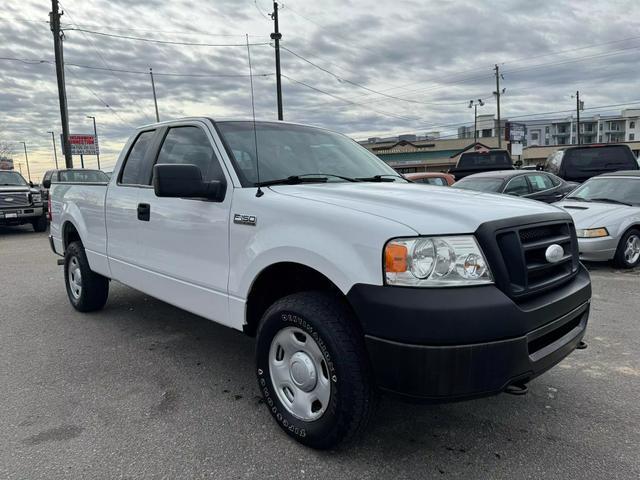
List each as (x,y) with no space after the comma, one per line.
(134,163)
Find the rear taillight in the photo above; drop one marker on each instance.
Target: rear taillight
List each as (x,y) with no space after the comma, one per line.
(49,213)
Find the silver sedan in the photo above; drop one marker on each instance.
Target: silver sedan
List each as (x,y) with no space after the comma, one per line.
(606,213)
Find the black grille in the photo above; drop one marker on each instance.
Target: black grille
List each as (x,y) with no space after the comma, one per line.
(20,199)
(523,251)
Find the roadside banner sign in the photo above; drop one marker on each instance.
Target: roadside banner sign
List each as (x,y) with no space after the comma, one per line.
(6,163)
(83,144)
(515,132)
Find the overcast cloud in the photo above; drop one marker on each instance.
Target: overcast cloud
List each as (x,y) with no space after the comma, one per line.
(435,55)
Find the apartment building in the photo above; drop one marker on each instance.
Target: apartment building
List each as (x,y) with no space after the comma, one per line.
(593,129)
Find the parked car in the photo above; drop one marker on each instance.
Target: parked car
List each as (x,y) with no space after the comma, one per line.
(20,203)
(481,161)
(350,277)
(542,186)
(580,163)
(431,178)
(606,212)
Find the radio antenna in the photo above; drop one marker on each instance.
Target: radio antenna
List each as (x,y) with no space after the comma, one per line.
(259,192)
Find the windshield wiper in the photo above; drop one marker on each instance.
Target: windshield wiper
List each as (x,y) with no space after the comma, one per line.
(610,200)
(292,180)
(380,178)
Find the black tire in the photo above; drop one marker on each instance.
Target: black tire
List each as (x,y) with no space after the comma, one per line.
(620,259)
(94,288)
(40,224)
(341,344)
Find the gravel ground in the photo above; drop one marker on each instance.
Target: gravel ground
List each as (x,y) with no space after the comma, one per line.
(144,390)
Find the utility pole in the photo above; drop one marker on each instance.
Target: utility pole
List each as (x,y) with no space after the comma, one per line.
(26,159)
(95,139)
(578,115)
(155,100)
(54,21)
(276,36)
(55,153)
(475,104)
(497,93)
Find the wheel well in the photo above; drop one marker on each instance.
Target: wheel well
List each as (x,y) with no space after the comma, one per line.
(278,281)
(69,234)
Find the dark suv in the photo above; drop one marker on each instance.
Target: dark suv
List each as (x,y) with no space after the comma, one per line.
(476,162)
(577,164)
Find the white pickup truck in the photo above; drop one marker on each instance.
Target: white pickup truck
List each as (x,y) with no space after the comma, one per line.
(353,279)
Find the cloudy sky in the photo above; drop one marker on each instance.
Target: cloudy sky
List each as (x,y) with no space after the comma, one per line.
(407,66)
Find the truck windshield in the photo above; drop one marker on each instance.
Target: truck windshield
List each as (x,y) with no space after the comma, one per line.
(611,189)
(286,150)
(13,179)
(488,159)
(480,184)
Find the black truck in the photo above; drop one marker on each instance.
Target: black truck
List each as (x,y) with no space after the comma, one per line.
(20,202)
(481,161)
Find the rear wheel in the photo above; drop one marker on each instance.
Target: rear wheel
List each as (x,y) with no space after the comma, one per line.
(313,370)
(628,252)
(87,290)
(40,224)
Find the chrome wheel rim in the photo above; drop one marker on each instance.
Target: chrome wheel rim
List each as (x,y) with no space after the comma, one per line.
(632,250)
(299,374)
(75,278)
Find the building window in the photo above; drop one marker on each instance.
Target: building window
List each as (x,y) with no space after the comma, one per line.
(486,132)
(546,141)
(534,136)
(600,138)
(601,127)
(546,129)
(573,127)
(632,136)
(632,124)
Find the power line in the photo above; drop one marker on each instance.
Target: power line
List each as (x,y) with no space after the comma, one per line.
(346,100)
(165,42)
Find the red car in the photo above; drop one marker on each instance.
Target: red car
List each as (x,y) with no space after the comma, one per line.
(431,178)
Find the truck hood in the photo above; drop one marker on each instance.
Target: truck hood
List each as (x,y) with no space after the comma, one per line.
(426,209)
(14,189)
(594,214)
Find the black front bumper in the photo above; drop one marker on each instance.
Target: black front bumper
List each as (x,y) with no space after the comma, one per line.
(458,343)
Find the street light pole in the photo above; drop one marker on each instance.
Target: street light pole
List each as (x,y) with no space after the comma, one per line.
(55,153)
(155,99)
(475,104)
(95,139)
(26,158)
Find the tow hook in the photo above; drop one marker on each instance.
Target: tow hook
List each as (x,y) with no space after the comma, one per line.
(517,389)
(582,345)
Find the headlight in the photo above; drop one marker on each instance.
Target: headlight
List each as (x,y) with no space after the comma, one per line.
(435,262)
(592,232)
(36,198)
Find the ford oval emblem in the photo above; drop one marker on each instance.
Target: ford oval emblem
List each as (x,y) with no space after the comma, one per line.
(554,253)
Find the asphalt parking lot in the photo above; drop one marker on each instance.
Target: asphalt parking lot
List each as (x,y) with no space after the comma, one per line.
(143,390)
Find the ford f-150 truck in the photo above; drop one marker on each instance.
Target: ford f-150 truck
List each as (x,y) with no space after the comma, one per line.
(352,279)
(20,203)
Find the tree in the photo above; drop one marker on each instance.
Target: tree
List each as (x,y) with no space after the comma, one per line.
(6,149)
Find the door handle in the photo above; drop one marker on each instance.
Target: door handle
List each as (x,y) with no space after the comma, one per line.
(144,212)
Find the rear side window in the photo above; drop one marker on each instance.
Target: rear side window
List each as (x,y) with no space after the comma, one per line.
(592,161)
(488,159)
(191,146)
(540,182)
(134,164)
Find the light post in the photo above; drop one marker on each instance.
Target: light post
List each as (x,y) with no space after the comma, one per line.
(475,104)
(95,139)
(26,158)
(55,153)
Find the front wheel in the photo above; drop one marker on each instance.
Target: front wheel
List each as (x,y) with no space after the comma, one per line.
(313,370)
(87,290)
(628,252)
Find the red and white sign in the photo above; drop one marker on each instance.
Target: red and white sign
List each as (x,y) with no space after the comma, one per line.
(83,144)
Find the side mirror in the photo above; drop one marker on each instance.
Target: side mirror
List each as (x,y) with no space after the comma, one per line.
(185,181)
(46,183)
